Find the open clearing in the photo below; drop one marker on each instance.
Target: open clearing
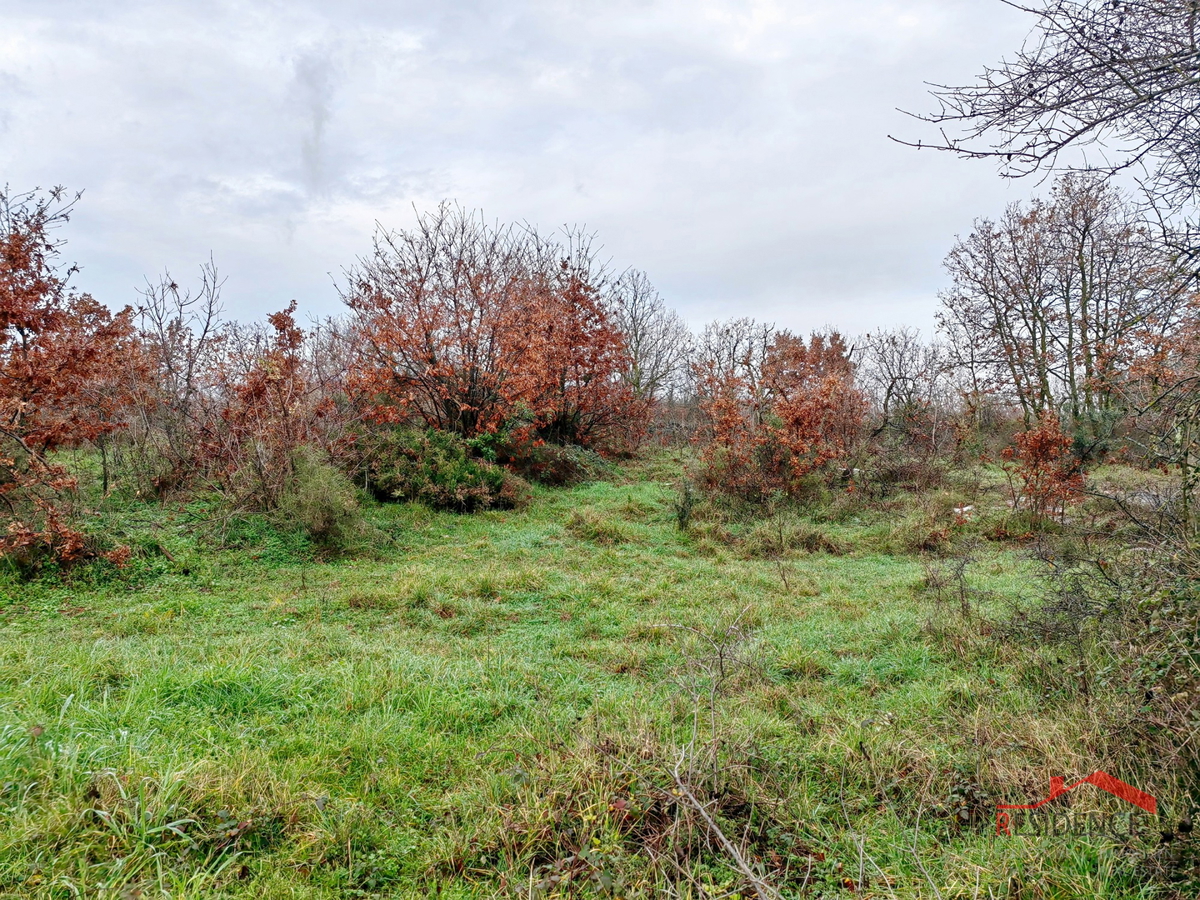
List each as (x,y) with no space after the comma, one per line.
(498,701)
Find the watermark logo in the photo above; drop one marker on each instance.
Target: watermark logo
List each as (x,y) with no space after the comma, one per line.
(1005,812)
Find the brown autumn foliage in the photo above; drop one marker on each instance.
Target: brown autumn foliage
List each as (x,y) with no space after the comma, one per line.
(777,409)
(490,331)
(1043,474)
(226,405)
(570,375)
(58,349)
(268,410)
(1163,393)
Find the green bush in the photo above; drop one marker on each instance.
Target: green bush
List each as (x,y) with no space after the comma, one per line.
(551,464)
(684,506)
(436,468)
(320,499)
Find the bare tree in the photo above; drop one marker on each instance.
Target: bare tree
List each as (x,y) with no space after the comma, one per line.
(898,370)
(1122,76)
(733,352)
(907,380)
(331,351)
(656,337)
(181,331)
(1055,300)
(180,326)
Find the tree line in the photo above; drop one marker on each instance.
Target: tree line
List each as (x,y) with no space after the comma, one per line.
(1068,314)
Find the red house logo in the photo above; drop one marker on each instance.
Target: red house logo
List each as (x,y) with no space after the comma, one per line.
(1058,787)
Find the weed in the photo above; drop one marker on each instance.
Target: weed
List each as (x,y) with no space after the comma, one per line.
(684,506)
(320,499)
(589,526)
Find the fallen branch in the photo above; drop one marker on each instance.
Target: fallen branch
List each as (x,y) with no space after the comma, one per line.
(761,888)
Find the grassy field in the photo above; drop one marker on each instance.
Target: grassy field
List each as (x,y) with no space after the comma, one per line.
(498,705)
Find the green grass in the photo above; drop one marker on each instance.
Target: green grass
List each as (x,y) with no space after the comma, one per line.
(459,710)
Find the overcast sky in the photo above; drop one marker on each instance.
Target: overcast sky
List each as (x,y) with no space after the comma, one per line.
(735,151)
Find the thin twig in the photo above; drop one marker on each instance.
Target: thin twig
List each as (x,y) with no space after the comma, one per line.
(761,888)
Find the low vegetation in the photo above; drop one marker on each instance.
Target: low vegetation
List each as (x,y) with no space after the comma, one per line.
(577,698)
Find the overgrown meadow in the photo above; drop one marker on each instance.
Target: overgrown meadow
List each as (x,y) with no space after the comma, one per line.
(575,699)
(505,583)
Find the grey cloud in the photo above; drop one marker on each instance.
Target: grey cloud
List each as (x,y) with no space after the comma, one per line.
(735,149)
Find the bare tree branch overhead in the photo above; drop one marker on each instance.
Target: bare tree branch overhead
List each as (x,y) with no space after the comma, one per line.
(1117,79)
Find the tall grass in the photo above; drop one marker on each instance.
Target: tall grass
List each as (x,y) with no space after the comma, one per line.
(516,701)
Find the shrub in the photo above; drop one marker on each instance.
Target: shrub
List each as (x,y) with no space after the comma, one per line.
(551,464)
(920,533)
(320,499)
(59,351)
(515,492)
(778,537)
(467,326)
(1043,474)
(436,468)
(684,505)
(890,470)
(777,410)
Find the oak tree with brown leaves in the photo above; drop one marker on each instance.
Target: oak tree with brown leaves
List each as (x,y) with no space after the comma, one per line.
(57,351)
(777,408)
(480,329)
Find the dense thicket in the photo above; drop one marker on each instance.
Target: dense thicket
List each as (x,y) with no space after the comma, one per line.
(774,408)
(480,329)
(512,344)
